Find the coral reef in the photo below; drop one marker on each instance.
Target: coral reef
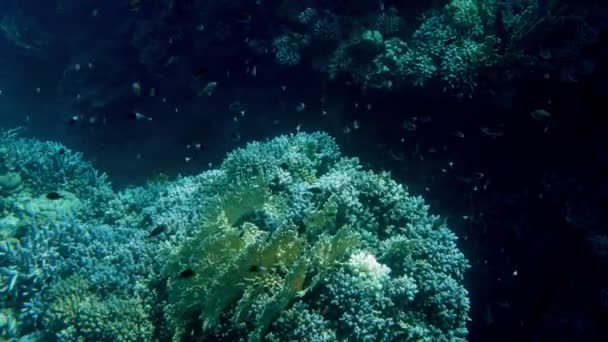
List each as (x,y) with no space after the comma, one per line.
(76,313)
(286,240)
(296,223)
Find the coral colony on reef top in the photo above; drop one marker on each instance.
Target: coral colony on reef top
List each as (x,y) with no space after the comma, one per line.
(286,240)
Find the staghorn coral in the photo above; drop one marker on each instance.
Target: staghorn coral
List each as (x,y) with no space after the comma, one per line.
(44,240)
(49,166)
(113,261)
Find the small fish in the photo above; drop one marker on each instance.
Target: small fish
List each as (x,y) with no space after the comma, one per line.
(187,159)
(491,133)
(540,115)
(138,116)
(74,119)
(209,89)
(458,134)
(186,274)
(478,175)
(425,119)
(136,87)
(134,5)
(244,18)
(408,125)
(157,231)
(545,54)
(254,268)
(201,72)
(300,107)
(235,136)
(53,195)
(61,150)
(170,61)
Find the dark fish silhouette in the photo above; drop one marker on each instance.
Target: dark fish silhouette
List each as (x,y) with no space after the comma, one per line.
(316,190)
(186,274)
(244,18)
(201,72)
(157,231)
(53,195)
(133,116)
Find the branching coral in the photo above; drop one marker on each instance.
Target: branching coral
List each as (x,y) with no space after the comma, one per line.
(333,244)
(76,313)
(50,167)
(286,240)
(450,47)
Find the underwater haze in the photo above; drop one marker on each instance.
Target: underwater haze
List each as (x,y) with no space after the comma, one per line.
(303,170)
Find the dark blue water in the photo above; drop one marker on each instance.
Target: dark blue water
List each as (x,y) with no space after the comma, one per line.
(492,112)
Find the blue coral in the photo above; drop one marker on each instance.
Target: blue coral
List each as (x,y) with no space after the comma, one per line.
(51,166)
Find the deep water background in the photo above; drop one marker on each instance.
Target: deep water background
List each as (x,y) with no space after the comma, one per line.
(526,226)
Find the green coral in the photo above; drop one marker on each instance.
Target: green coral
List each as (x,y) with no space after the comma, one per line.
(450,48)
(275,243)
(77,313)
(241,258)
(468,15)
(355,55)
